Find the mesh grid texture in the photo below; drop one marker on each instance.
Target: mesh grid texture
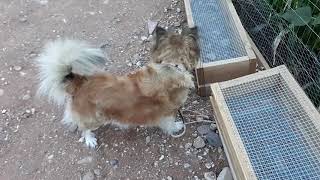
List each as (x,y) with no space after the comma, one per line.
(219,38)
(264,25)
(279,137)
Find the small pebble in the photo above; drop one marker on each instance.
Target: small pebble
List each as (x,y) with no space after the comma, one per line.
(97,172)
(26,97)
(213,126)
(17,68)
(188,145)
(169,178)
(88,176)
(3,111)
(23,19)
(129,64)
(177,24)
(161,157)
(85,160)
(138,63)
(209,165)
(209,176)
(148,139)
(198,143)
(114,163)
(1,92)
(178,10)
(144,38)
(50,157)
(186,165)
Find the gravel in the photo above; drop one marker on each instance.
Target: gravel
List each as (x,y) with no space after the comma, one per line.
(198,143)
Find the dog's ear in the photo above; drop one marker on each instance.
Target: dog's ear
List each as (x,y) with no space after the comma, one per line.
(157,34)
(193,32)
(159,31)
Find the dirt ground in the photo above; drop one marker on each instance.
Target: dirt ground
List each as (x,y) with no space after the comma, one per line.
(33,143)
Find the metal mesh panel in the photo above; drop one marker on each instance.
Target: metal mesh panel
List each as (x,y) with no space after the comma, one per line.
(298,47)
(219,39)
(280,139)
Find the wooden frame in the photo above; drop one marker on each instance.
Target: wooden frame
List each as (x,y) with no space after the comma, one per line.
(237,156)
(207,73)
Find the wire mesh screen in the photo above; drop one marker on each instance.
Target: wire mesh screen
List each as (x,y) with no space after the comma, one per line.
(280,139)
(287,32)
(219,38)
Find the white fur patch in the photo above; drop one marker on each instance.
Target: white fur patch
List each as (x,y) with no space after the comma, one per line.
(89,139)
(62,57)
(168,125)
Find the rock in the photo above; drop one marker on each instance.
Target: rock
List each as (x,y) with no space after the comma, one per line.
(219,150)
(177,24)
(178,10)
(88,176)
(161,157)
(1,92)
(3,111)
(188,145)
(209,165)
(114,163)
(148,139)
(17,68)
(213,139)
(169,178)
(129,64)
(97,172)
(106,2)
(198,143)
(23,19)
(85,160)
(138,64)
(225,174)
(186,165)
(209,176)
(203,129)
(144,38)
(33,110)
(26,97)
(213,126)
(50,157)
(152,26)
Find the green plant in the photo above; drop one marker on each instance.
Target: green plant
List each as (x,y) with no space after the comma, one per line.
(303,17)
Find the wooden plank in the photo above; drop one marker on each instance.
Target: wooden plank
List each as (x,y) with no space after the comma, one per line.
(187,6)
(260,59)
(224,72)
(239,158)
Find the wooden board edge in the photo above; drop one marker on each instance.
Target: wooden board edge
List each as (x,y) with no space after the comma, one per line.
(251,77)
(260,59)
(301,96)
(239,157)
(223,62)
(188,10)
(241,30)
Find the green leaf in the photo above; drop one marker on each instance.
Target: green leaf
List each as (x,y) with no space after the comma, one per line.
(298,17)
(316,21)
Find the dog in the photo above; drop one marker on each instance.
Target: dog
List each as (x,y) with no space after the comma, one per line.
(172,47)
(71,74)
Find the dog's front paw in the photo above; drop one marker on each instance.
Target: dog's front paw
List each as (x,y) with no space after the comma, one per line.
(89,139)
(178,126)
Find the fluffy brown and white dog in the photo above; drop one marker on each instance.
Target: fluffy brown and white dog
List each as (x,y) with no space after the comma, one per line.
(71,74)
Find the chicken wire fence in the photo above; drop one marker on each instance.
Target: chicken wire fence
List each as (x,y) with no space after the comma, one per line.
(287,32)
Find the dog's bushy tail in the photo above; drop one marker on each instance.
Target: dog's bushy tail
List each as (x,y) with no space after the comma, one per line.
(61,62)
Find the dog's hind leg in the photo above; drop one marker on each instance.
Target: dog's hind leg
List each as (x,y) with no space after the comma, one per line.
(168,125)
(68,120)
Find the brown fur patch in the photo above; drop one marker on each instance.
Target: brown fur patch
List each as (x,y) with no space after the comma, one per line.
(140,98)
